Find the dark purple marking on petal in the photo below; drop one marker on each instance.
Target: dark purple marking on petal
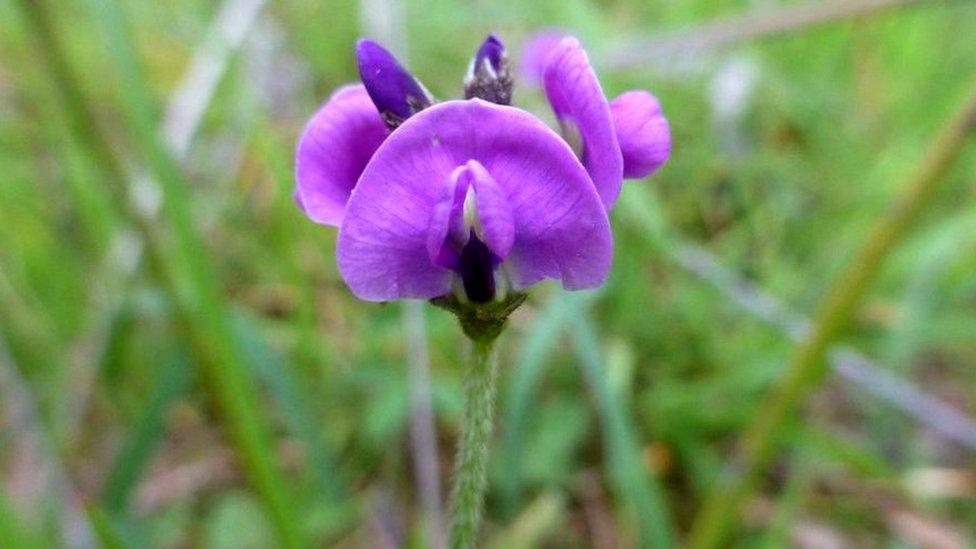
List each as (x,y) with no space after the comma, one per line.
(642,131)
(559,228)
(477,269)
(578,102)
(395,92)
(489,76)
(334,148)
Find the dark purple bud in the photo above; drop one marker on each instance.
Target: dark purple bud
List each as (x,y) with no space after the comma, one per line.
(394,91)
(492,51)
(489,76)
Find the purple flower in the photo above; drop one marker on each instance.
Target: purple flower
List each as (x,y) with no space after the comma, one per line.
(473,198)
(337,144)
(463,173)
(628,138)
(584,116)
(642,131)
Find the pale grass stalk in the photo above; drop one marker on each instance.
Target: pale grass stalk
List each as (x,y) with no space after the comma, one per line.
(808,367)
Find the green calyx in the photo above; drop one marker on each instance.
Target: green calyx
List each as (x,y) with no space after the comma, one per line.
(481,322)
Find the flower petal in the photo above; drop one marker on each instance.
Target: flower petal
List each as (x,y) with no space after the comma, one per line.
(452,221)
(332,152)
(642,131)
(560,227)
(578,101)
(445,233)
(495,224)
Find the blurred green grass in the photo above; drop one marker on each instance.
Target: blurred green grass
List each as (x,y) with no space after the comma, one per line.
(782,190)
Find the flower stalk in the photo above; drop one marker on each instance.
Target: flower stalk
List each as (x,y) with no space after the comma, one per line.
(471,465)
(482,323)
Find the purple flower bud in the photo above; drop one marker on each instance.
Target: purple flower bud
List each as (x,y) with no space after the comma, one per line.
(492,51)
(489,76)
(394,91)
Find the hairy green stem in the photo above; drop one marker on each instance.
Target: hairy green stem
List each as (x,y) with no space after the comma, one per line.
(807,367)
(471,466)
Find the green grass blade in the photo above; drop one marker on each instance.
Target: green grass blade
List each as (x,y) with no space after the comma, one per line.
(627,474)
(807,367)
(631,481)
(520,393)
(106,530)
(13,530)
(790,503)
(147,431)
(205,310)
(277,373)
(181,260)
(534,525)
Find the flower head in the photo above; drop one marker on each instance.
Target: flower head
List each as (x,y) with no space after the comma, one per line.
(473,198)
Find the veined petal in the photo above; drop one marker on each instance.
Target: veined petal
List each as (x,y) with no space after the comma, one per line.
(494,223)
(642,131)
(581,108)
(332,152)
(445,231)
(559,227)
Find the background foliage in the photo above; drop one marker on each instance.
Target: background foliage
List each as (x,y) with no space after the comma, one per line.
(136,411)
